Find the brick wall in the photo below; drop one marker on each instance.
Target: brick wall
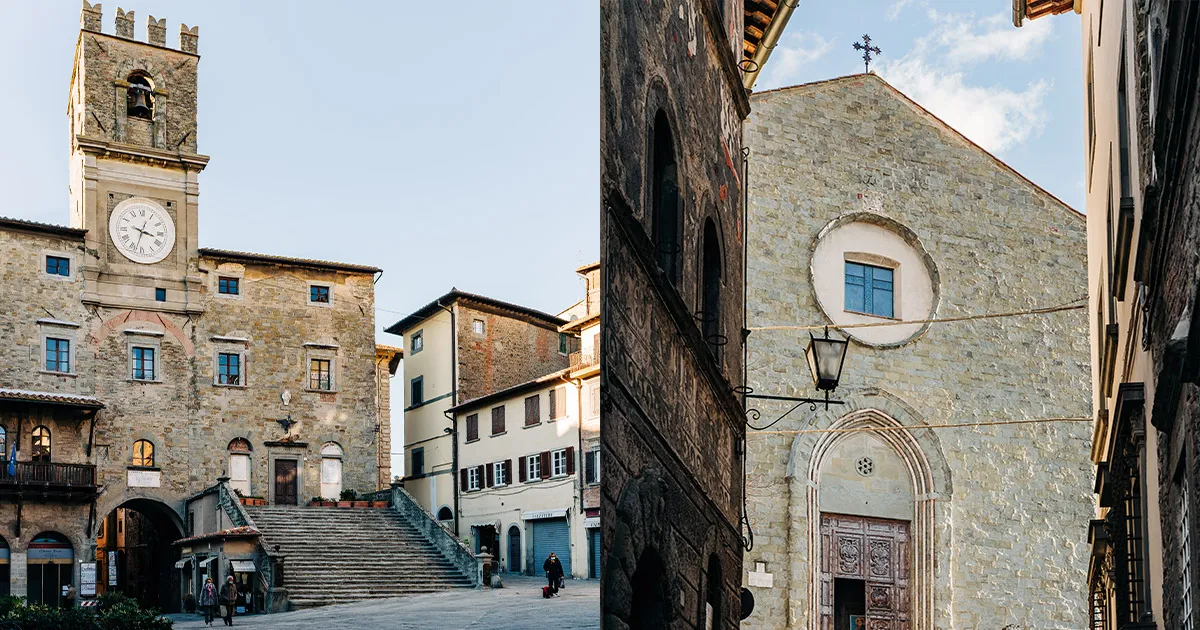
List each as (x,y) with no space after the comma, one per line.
(511,351)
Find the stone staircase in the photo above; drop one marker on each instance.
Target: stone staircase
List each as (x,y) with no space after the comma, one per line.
(338,555)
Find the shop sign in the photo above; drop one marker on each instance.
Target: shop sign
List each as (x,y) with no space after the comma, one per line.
(540,514)
(112,568)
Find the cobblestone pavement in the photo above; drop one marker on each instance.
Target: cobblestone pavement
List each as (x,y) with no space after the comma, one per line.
(517,606)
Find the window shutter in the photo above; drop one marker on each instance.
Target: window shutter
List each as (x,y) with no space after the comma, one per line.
(544,456)
(554,403)
(508,471)
(473,427)
(570,460)
(462,480)
(521,468)
(533,409)
(561,392)
(589,468)
(490,471)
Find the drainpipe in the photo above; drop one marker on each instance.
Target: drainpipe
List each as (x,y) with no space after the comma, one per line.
(580,470)
(767,43)
(453,403)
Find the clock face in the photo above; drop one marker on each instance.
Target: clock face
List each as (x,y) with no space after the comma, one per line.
(142,230)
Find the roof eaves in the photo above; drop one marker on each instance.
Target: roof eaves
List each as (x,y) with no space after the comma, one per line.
(272,259)
(510,391)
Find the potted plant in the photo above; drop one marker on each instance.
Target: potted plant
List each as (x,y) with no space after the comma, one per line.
(360,502)
(380,504)
(347,498)
(315,502)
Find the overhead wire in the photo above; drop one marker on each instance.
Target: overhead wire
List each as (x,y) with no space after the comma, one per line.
(1067,306)
(950,425)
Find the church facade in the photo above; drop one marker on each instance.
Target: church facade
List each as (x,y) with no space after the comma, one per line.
(138,367)
(865,208)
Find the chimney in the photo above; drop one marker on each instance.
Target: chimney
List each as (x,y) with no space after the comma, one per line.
(188,38)
(156,31)
(124,24)
(90,18)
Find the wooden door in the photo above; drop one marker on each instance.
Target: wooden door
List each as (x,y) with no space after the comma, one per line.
(285,482)
(875,551)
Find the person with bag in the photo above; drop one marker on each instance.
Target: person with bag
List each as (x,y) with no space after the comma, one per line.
(554,572)
(208,600)
(229,594)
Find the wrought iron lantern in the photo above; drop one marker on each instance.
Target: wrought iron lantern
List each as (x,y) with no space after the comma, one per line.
(825,358)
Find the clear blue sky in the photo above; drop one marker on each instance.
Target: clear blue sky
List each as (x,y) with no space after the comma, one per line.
(1016,92)
(451,144)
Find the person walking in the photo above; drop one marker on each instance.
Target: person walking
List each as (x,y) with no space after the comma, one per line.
(69,596)
(554,572)
(229,595)
(208,600)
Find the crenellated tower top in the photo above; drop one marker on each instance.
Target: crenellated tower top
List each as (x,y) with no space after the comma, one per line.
(91,19)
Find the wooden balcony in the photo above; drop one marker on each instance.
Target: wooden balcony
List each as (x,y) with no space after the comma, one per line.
(48,481)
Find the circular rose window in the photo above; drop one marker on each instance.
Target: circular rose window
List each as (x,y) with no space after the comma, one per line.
(867,268)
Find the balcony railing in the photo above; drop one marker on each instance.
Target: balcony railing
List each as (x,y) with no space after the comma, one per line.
(47,476)
(584,358)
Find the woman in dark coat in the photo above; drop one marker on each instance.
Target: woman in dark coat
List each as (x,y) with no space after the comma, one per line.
(208,600)
(229,595)
(554,572)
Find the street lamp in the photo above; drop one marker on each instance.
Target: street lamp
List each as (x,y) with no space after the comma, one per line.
(825,358)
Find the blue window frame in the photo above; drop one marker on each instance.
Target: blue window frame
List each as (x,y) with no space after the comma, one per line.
(58,355)
(228,286)
(229,368)
(869,290)
(160,295)
(318,294)
(58,266)
(143,364)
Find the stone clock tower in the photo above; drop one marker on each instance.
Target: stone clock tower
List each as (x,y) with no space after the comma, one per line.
(134,165)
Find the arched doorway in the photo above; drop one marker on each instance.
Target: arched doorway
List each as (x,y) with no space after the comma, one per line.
(135,556)
(514,549)
(5,576)
(51,560)
(649,607)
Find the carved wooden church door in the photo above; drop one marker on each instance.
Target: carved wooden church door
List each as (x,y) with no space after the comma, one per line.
(864,573)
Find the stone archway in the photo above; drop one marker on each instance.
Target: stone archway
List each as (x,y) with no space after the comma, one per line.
(639,586)
(929,475)
(136,533)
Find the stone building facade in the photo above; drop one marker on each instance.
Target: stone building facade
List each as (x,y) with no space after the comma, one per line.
(1141,72)
(141,367)
(460,347)
(865,208)
(672,106)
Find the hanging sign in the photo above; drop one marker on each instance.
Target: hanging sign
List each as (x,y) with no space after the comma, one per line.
(112,568)
(87,579)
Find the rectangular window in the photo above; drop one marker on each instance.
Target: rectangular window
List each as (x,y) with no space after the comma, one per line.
(473,427)
(58,266)
(416,391)
(562,343)
(320,374)
(143,364)
(418,462)
(497,420)
(477,326)
(558,403)
(318,294)
(591,466)
(533,410)
(229,368)
(501,475)
(473,478)
(418,342)
(869,289)
(558,462)
(58,355)
(533,467)
(229,286)
(160,295)
(594,399)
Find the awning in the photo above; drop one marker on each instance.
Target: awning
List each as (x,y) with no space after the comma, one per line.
(541,514)
(179,564)
(207,560)
(242,566)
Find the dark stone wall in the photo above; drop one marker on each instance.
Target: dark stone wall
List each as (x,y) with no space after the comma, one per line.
(672,428)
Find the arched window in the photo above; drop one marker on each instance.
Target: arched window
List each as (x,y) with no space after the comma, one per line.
(445,514)
(139,101)
(713,599)
(49,560)
(143,453)
(331,470)
(239,465)
(41,445)
(665,200)
(710,288)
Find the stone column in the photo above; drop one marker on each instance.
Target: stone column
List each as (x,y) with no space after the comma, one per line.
(18,572)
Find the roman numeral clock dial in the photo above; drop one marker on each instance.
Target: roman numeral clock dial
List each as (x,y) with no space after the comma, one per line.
(142,230)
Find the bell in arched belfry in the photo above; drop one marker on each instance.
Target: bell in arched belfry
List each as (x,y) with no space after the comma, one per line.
(139,105)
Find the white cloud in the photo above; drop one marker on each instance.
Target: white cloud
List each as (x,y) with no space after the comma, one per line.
(898,6)
(996,117)
(792,55)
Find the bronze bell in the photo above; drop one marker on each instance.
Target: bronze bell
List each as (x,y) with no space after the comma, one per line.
(138,105)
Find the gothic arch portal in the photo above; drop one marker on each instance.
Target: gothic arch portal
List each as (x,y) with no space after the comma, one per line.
(928,472)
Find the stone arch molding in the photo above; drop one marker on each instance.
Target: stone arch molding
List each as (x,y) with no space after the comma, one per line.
(929,473)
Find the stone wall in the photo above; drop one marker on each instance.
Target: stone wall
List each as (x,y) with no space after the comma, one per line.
(1007,510)
(512,350)
(672,429)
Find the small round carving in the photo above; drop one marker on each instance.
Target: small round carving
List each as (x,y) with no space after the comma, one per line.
(865,466)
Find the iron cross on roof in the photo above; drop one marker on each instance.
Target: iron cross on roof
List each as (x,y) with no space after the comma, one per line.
(867,49)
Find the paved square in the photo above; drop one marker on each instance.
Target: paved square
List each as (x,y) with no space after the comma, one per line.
(517,606)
